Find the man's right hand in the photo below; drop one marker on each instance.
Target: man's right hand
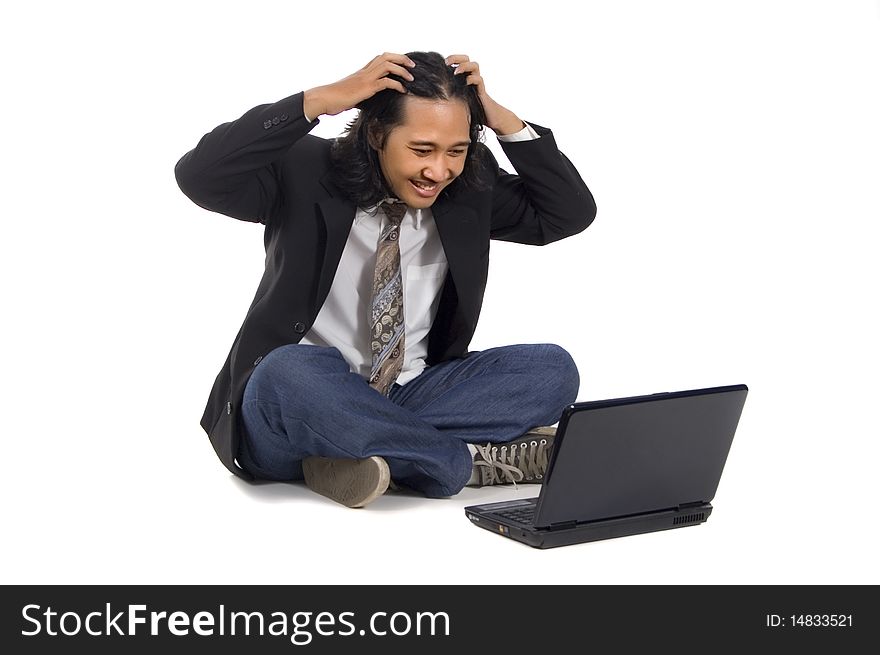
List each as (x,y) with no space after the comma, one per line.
(343,95)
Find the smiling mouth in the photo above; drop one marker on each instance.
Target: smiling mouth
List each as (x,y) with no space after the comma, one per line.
(425,189)
(424,186)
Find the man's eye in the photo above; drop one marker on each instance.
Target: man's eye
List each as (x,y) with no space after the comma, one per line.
(421,152)
(458,153)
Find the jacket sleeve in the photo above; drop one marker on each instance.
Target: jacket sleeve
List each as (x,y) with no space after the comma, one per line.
(546,201)
(235,168)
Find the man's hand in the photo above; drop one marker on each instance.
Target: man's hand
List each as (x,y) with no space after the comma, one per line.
(340,96)
(501,120)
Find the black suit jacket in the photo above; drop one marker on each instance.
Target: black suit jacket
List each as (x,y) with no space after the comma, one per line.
(264,167)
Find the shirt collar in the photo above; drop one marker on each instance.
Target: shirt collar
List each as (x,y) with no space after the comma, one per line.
(372,212)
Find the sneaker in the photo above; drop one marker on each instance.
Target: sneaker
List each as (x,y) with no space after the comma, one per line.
(351,482)
(521,460)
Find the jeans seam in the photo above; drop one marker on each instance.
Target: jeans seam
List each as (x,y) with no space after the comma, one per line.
(472,377)
(305,423)
(444,488)
(451,388)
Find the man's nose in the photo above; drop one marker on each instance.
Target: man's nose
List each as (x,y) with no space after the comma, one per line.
(438,170)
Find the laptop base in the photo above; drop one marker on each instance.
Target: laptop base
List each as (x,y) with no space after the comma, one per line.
(589,531)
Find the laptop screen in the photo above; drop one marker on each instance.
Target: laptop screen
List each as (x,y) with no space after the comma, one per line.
(636,455)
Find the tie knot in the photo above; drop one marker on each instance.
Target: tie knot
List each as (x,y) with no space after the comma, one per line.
(394,211)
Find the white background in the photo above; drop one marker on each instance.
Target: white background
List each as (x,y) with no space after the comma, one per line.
(732,148)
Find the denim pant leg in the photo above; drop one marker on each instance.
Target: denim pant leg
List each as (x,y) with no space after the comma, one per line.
(495,395)
(303,400)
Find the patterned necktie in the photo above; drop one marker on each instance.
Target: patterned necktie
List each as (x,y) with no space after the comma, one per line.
(386,310)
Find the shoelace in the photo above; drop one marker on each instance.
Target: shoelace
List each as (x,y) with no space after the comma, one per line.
(513,464)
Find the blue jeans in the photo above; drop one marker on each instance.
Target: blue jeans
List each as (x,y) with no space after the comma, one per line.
(303,400)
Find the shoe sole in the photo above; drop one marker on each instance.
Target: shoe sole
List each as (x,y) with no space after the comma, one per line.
(545,431)
(350,482)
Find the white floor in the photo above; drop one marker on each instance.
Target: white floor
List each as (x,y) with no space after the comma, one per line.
(183,519)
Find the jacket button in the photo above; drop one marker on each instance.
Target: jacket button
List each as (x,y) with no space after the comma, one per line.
(267,124)
(258,360)
(284,117)
(276,120)
(299,328)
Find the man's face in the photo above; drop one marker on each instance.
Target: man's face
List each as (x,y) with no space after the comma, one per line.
(425,153)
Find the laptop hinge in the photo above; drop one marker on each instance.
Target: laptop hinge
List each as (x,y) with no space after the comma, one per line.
(686,506)
(562,525)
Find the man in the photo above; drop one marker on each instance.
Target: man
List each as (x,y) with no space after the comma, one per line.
(351,368)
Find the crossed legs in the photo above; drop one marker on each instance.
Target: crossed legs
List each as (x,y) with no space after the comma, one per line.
(303,401)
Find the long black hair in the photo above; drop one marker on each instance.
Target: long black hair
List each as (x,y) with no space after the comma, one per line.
(355,164)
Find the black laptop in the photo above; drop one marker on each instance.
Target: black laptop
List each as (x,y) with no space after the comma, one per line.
(625,466)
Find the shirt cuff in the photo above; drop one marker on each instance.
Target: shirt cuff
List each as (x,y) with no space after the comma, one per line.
(525,134)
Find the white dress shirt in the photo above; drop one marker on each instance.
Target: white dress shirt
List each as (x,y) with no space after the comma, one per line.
(343,321)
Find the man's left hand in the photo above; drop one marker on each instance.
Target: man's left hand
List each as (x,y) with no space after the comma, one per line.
(501,120)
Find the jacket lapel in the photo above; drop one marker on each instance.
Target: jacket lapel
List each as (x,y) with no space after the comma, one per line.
(338,215)
(459,229)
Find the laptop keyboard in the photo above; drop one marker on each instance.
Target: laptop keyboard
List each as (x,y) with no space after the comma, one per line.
(524,515)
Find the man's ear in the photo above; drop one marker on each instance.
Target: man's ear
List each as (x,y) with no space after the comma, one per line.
(375,136)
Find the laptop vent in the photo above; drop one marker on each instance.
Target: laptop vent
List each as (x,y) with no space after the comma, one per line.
(690,518)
